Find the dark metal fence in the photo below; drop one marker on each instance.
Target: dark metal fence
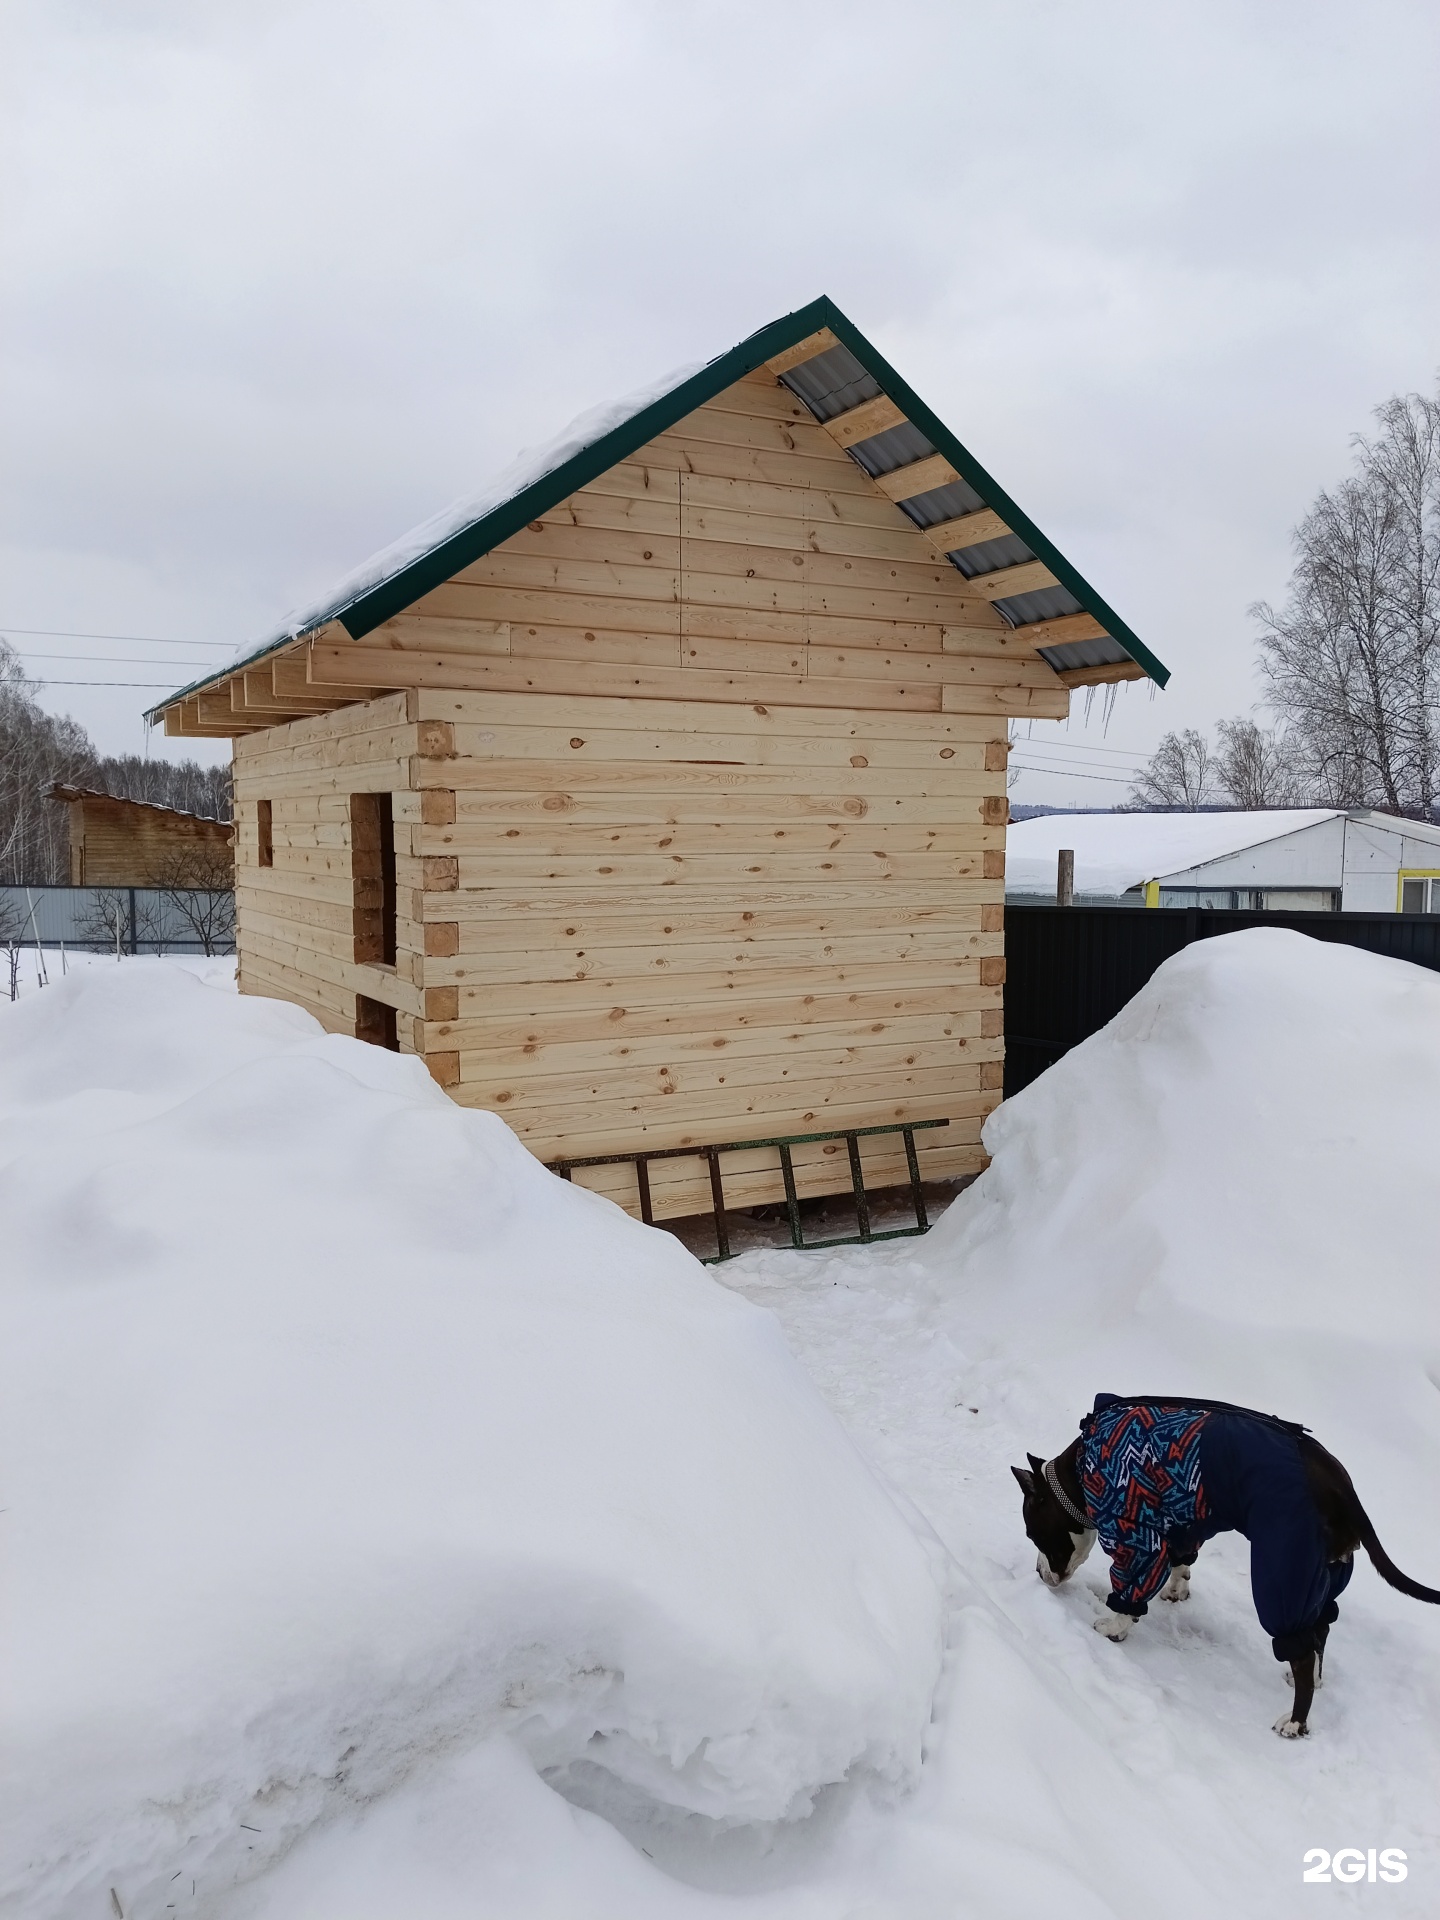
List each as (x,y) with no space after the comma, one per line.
(1069,970)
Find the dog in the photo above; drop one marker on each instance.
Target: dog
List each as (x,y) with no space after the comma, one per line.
(1153,1479)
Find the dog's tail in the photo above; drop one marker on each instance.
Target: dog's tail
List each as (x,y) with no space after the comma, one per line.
(1339,1504)
(1385,1566)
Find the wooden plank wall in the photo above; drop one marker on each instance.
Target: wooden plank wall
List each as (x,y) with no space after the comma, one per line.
(649,924)
(119,843)
(295,920)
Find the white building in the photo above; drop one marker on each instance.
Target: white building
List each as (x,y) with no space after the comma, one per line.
(1318,858)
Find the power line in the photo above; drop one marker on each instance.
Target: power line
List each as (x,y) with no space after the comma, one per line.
(1110,779)
(1049,745)
(162,685)
(108,659)
(145,639)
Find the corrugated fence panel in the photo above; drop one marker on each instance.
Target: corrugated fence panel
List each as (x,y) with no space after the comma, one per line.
(1069,970)
(147,919)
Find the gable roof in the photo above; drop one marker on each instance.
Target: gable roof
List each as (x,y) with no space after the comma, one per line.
(67,791)
(846,375)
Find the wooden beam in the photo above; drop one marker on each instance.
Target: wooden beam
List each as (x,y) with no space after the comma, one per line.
(289,674)
(970,530)
(1061,631)
(213,709)
(1111,674)
(428,634)
(803,350)
(252,692)
(865,421)
(1028,577)
(921,476)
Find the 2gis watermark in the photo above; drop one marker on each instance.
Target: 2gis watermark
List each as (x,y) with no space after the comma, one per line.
(1350,1865)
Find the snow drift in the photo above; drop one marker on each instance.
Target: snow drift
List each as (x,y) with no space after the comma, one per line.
(1250,1142)
(340,1436)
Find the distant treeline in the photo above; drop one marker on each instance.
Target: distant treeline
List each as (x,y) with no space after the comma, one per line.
(37,749)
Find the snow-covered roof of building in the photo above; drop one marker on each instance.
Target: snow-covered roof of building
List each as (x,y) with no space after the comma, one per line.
(1117,851)
(538,479)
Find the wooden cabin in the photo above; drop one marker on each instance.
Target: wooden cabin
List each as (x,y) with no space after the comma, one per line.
(134,843)
(656,796)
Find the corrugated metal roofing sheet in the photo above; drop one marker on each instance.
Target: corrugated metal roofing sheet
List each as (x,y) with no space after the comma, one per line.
(897,447)
(1045,603)
(942,503)
(831,383)
(1100,652)
(986,555)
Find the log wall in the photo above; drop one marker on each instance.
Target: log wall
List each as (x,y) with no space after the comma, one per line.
(647,925)
(296,918)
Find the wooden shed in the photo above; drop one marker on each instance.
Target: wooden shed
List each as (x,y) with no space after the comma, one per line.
(656,795)
(134,843)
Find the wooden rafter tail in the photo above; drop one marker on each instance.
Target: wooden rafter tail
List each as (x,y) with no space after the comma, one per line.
(921,476)
(969,530)
(1028,577)
(1063,631)
(1110,674)
(865,421)
(803,350)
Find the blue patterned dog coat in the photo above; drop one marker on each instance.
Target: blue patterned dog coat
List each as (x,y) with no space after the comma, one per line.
(1160,1478)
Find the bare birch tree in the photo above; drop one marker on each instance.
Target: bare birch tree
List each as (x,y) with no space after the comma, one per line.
(1352,660)
(1256,766)
(1181,774)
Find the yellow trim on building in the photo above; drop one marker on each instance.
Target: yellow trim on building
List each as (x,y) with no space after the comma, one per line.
(1411,873)
(1152,893)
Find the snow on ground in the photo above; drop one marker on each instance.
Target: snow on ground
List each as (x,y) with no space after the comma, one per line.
(47,966)
(1117,851)
(1229,1192)
(341,1437)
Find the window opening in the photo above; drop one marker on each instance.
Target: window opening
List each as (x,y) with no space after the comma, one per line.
(372,870)
(265,833)
(375,1022)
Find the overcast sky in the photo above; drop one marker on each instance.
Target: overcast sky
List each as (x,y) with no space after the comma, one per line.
(280,280)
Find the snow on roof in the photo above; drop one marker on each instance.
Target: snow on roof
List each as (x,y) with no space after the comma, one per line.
(1117,851)
(64,790)
(528,466)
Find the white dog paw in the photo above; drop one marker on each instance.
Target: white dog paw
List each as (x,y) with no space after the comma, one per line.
(1114,1626)
(1177,1587)
(1289,1729)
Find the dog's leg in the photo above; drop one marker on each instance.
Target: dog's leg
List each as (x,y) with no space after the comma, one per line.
(1177,1587)
(1293,1725)
(1114,1626)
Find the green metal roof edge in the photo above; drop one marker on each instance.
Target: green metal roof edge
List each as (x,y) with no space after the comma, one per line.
(461,549)
(993,494)
(482,536)
(371,609)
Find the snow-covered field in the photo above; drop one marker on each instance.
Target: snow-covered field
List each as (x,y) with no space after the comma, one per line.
(393,1530)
